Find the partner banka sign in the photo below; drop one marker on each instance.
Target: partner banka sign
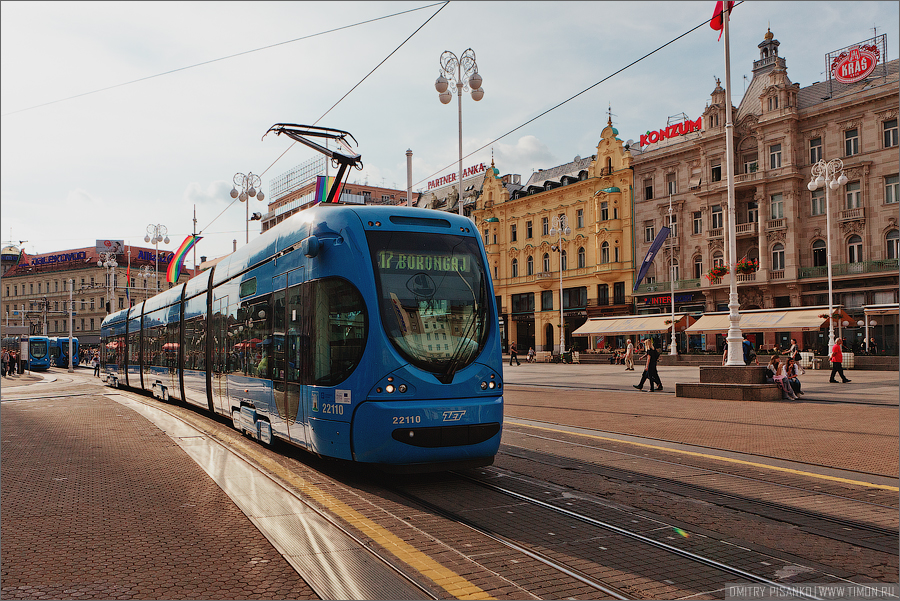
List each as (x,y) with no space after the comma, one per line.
(449,179)
(679,129)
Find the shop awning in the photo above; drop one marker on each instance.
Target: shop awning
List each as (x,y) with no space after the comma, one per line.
(633,324)
(785,320)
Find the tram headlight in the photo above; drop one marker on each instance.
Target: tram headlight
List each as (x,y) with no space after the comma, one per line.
(484,385)
(402,388)
(492,385)
(389,388)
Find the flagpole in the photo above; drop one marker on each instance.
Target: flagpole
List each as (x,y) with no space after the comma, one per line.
(734,338)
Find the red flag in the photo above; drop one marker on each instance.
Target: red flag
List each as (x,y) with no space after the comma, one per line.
(716,22)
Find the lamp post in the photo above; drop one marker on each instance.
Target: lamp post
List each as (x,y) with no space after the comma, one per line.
(673,349)
(831,175)
(146,273)
(155,235)
(464,73)
(249,185)
(561,227)
(108,260)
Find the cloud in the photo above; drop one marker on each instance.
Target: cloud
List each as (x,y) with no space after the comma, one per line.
(215,193)
(526,154)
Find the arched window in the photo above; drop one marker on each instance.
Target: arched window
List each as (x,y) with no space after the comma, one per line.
(604,252)
(581,258)
(819,256)
(718,259)
(546,262)
(893,244)
(698,267)
(854,249)
(565,263)
(515,268)
(529,265)
(778,257)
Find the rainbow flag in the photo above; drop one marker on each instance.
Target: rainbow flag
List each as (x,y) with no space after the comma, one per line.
(177,259)
(323,185)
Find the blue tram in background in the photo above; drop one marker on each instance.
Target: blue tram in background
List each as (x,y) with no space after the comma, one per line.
(365,333)
(59,351)
(38,351)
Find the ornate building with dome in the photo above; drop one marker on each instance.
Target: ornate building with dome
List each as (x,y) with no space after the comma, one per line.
(587,265)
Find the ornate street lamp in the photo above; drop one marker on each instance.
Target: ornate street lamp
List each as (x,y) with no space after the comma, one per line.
(831,175)
(108,260)
(463,72)
(249,185)
(561,227)
(156,234)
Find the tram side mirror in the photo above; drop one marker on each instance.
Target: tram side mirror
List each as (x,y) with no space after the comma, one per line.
(310,246)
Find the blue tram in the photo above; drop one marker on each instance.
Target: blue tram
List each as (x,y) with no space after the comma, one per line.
(59,351)
(38,351)
(365,333)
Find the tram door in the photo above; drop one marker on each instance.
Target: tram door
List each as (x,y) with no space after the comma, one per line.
(220,352)
(288,309)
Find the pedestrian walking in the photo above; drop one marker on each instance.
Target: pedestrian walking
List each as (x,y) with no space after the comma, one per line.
(629,356)
(4,357)
(95,363)
(837,362)
(873,348)
(794,351)
(530,357)
(13,362)
(513,354)
(747,346)
(650,372)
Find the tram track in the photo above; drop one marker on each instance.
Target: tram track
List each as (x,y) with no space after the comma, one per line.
(828,526)
(714,572)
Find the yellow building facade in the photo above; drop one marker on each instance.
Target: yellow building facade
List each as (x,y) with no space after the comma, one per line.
(561,245)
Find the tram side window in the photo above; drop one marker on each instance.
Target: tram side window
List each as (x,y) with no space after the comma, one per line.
(254,337)
(134,342)
(170,347)
(338,330)
(195,344)
(276,369)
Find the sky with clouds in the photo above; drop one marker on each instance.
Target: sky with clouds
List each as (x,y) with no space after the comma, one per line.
(120,115)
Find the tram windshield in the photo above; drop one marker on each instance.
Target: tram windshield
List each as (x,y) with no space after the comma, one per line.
(432,295)
(37,348)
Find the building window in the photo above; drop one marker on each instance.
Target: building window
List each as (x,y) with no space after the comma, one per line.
(891,189)
(528,230)
(564,260)
(718,259)
(776,206)
(512,232)
(718,219)
(893,244)
(673,270)
(604,211)
(818,202)
(649,232)
(854,249)
(515,268)
(751,165)
(815,150)
(619,293)
(774,156)
(698,222)
(121,303)
(671,184)
(546,262)
(602,294)
(604,252)
(778,257)
(547,300)
(523,303)
(581,258)
(773,102)
(698,267)
(673,225)
(648,189)
(818,252)
(851,142)
(716,174)
(752,211)
(545,226)
(529,265)
(579,218)
(853,195)
(82,304)
(890,133)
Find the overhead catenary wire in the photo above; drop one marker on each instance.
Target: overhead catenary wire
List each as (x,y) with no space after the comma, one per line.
(215,60)
(587,89)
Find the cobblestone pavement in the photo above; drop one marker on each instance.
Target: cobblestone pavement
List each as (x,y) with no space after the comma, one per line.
(99,504)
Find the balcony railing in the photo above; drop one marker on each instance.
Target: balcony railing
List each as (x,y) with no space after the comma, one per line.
(776,224)
(850,269)
(851,214)
(746,229)
(718,232)
(666,286)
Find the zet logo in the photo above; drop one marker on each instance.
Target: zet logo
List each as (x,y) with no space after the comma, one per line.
(453,416)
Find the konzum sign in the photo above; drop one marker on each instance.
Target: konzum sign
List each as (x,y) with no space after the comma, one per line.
(855,64)
(679,129)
